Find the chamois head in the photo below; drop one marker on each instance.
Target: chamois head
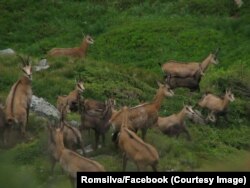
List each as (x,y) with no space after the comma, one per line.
(229,95)
(56,134)
(188,109)
(166,89)
(214,58)
(89,39)
(79,85)
(211,118)
(26,67)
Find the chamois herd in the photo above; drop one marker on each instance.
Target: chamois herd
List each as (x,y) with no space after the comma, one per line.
(65,141)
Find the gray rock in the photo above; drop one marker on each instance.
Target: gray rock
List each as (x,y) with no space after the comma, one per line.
(42,65)
(44,108)
(7,51)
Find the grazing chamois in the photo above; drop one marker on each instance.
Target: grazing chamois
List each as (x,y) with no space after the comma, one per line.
(72,98)
(174,68)
(174,124)
(19,98)
(192,83)
(76,52)
(70,161)
(217,105)
(144,115)
(95,115)
(134,148)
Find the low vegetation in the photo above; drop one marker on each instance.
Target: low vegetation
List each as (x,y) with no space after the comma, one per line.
(131,39)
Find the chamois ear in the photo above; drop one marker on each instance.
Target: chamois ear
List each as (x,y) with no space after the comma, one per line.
(28,62)
(22,60)
(83,35)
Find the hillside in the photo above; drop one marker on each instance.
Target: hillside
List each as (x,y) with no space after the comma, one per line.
(131,39)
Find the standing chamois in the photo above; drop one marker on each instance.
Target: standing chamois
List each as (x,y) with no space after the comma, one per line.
(134,148)
(72,139)
(174,124)
(95,115)
(142,116)
(76,52)
(72,99)
(217,105)
(70,161)
(180,69)
(19,99)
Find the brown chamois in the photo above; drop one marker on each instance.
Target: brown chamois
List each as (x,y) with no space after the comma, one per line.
(142,116)
(76,52)
(174,124)
(70,161)
(134,148)
(174,68)
(216,105)
(72,139)
(72,98)
(96,116)
(191,83)
(19,99)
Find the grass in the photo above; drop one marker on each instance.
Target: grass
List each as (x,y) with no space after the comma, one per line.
(131,38)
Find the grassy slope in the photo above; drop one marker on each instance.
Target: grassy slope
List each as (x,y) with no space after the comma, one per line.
(130,40)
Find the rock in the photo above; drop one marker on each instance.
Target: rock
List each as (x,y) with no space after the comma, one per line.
(42,65)
(74,123)
(88,149)
(44,108)
(7,51)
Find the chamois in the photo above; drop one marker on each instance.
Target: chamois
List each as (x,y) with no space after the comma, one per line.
(19,99)
(144,115)
(72,98)
(70,161)
(76,52)
(174,68)
(217,106)
(134,148)
(192,83)
(96,116)
(174,124)
(72,139)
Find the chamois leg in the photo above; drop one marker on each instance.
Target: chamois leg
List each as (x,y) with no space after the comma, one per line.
(124,161)
(6,134)
(187,134)
(154,168)
(103,139)
(143,132)
(73,182)
(97,135)
(53,163)
(168,77)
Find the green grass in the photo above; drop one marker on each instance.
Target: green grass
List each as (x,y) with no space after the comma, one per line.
(131,38)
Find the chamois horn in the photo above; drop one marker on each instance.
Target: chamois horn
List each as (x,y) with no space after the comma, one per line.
(216,51)
(22,60)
